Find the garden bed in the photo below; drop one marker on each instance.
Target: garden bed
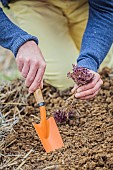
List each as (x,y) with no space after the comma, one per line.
(87,137)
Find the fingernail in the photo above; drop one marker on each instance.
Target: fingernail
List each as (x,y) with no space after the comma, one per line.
(79,90)
(72,91)
(77,95)
(41,87)
(24,75)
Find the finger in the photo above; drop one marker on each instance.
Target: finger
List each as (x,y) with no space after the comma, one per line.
(31,75)
(25,69)
(89,85)
(74,88)
(90,96)
(20,65)
(37,81)
(41,85)
(90,91)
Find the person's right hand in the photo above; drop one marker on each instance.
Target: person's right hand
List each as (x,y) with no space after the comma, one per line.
(31,64)
(89,90)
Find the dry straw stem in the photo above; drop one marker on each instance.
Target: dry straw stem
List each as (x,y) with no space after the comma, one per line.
(11,103)
(21,165)
(24,161)
(53,167)
(10,163)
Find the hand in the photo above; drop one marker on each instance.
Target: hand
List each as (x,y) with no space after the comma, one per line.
(31,64)
(89,90)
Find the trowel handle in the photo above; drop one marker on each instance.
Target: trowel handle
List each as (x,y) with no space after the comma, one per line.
(38,96)
(41,104)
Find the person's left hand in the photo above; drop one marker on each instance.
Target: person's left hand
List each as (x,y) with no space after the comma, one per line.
(89,90)
(31,64)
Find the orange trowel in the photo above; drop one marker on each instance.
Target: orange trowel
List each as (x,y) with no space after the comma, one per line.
(47,129)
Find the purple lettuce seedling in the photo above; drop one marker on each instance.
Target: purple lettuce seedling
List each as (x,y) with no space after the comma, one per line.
(62,116)
(80,75)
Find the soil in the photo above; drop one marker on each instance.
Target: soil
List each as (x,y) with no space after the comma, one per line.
(87,137)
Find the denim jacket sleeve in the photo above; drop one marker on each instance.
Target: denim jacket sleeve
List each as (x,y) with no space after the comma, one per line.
(98,36)
(11,36)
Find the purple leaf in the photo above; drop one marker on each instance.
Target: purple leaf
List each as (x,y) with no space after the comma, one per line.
(62,116)
(80,75)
